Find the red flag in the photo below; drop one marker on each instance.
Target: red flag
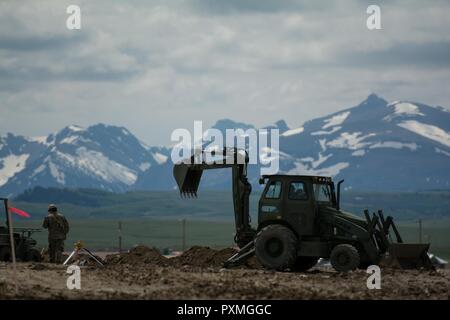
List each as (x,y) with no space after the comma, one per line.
(19,212)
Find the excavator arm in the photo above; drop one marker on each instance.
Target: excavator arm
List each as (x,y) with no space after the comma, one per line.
(188,174)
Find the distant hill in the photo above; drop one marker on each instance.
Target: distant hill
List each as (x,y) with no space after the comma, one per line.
(375,146)
(214,205)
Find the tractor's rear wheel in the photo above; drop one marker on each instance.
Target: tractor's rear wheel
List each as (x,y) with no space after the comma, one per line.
(276,247)
(344,258)
(304,263)
(5,254)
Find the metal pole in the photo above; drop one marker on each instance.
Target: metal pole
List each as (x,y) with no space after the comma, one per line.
(120,236)
(12,244)
(184,234)
(420,230)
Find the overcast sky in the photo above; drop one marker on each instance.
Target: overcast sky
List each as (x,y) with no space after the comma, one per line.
(153,66)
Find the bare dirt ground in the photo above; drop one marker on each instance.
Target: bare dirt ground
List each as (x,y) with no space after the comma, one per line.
(197,274)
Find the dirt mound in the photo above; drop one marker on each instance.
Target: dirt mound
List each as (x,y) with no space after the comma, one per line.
(196,256)
(203,257)
(84,259)
(138,255)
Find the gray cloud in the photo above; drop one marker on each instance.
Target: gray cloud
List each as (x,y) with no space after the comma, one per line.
(155,66)
(39,42)
(257,6)
(422,55)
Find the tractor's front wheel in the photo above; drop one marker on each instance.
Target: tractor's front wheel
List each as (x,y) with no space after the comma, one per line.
(276,247)
(344,258)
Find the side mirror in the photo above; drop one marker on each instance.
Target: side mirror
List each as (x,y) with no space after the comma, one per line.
(261,180)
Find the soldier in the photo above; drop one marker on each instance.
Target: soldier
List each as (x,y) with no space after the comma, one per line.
(58,228)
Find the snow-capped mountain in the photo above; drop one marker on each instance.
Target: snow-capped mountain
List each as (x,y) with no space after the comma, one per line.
(375,145)
(104,157)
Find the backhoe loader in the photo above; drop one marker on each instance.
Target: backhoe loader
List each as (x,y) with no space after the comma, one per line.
(300,220)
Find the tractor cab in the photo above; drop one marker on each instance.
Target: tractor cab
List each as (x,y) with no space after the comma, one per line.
(296,200)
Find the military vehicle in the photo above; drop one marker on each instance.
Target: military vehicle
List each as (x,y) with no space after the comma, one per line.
(300,220)
(25,245)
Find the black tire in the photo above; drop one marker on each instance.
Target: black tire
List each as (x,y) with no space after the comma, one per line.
(5,254)
(303,264)
(276,247)
(344,258)
(34,255)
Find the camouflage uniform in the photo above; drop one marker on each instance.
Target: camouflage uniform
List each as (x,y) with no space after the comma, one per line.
(58,227)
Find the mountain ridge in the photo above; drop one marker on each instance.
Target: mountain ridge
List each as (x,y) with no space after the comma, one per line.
(375,145)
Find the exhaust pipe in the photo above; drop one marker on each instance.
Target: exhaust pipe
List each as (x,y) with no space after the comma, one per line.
(338,196)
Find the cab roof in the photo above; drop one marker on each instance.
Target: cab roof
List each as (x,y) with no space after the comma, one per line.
(317,179)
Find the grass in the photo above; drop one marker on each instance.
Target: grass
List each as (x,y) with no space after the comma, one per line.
(102,234)
(153,217)
(215,205)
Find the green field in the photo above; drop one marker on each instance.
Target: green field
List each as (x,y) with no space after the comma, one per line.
(153,217)
(103,234)
(214,205)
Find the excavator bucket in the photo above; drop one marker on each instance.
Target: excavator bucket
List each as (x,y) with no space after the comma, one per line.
(187,179)
(397,254)
(408,256)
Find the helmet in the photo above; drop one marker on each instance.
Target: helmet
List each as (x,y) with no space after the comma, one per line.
(52,208)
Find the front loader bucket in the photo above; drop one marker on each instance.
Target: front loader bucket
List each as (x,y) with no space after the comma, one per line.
(187,179)
(408,256)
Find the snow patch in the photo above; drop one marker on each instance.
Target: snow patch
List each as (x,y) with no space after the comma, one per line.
(336,120)
(359,153)
(38,170)
(394,145)
(58,175)
(105,168)
(75,128)
(403,108)
(144,166)
(427,130)
(322,132)
(407,108)
(319,161)
(350,141)
(41,140)
(69,140)
(442,152)
(292,132)
(302,169)
(323,144)
(11,165)
(160,158)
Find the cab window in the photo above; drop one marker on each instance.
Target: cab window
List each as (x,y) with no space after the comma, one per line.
(297,191)
(322,192)
(274,190)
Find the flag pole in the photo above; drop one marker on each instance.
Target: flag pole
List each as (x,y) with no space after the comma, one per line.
(12,244)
